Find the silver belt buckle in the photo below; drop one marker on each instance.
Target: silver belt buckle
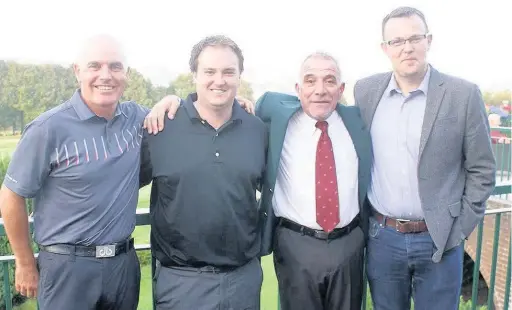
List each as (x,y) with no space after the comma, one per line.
(103,251)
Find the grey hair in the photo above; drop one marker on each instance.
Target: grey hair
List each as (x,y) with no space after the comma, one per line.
(217,40)
(404,11)
(323,55)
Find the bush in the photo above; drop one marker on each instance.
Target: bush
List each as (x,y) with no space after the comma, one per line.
(5,248)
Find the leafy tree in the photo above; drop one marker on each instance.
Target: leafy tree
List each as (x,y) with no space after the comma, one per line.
(496,98)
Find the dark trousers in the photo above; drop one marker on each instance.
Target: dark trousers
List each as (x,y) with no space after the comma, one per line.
(400,266)
(88,283)
(183,288)
(316,274)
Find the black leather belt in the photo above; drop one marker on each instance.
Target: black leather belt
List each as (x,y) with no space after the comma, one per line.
(99,251)
(320,234)
(206,269)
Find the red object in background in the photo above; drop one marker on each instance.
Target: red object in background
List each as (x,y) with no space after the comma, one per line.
(496,135)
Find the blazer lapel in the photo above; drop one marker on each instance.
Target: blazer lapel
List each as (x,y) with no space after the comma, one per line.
(375,95)
(434,98)
(278,127)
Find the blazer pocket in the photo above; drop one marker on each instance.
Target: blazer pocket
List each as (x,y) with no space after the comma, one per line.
(454,209)
(445,121)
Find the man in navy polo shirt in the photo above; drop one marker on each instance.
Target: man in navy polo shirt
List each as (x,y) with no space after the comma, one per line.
(80,163)
(206,167)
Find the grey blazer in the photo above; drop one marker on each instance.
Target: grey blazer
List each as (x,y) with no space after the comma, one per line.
(456,169)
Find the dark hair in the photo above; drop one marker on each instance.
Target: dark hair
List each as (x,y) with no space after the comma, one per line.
(403,11)
(217,40)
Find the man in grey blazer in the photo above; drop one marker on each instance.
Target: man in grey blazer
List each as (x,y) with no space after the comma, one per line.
(432,173)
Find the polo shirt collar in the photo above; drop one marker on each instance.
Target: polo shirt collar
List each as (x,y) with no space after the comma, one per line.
(83,111)
(237,114)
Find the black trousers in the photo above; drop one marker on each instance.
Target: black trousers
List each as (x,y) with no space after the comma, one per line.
(316,274)
(88,283)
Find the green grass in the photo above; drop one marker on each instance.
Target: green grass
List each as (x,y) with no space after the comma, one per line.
(7,144)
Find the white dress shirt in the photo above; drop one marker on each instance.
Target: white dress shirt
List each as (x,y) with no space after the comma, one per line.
(294,193)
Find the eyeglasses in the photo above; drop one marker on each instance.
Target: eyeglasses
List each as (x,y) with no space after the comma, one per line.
(415,39)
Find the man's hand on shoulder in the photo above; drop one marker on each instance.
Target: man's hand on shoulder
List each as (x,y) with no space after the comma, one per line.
(154,121)
(247,104)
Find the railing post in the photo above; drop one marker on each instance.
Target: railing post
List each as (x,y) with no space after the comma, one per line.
(7,286)
(476,267)
(490,298)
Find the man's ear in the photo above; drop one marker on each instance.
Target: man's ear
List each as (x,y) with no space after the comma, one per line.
(297,88)
(342,89)
(76,71)
(429,40)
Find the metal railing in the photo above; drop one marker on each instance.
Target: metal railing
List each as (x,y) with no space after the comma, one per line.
(502,147)
(143,220)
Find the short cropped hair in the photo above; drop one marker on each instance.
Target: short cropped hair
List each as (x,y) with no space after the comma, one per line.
(403,11)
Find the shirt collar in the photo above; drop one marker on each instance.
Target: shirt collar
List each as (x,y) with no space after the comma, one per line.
(311,122)
(83,111)
(237,114)
(393,85)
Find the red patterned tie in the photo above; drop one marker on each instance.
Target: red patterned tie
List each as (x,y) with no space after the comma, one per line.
(327,202)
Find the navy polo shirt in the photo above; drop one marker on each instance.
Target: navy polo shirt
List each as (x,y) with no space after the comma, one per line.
(203,203)
(82,171)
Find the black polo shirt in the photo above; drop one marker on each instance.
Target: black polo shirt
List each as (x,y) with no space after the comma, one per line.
(203,200)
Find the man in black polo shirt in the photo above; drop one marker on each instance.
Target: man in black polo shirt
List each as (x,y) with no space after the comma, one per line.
(206,167)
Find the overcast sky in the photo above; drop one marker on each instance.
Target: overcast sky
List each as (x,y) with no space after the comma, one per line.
(472,39)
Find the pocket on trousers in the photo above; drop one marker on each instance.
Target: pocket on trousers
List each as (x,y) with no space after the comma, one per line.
(51,266)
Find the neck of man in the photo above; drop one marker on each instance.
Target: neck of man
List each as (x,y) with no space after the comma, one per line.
(412,82)
(215,116)
(106,112)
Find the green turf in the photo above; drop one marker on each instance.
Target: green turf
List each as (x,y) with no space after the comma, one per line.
(7,144)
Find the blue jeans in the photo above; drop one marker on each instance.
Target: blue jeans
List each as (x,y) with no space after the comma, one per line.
(400,266)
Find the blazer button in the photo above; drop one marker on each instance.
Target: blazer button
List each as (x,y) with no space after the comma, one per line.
(270,190)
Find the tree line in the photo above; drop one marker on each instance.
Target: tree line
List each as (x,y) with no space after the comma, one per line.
(27,90)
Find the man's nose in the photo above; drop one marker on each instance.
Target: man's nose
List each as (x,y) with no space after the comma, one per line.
(219,79)
(408,47)
(105,73)
(320,89)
